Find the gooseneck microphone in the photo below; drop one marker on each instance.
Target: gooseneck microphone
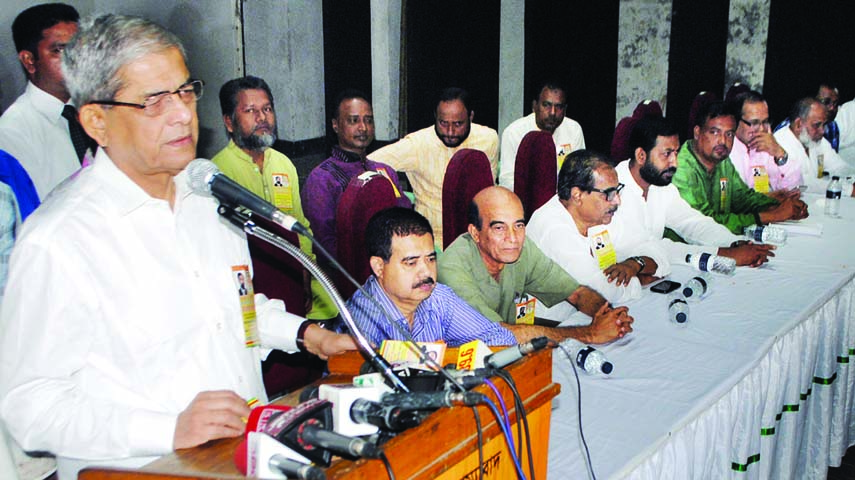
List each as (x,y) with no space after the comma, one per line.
(510,355)
(207,179)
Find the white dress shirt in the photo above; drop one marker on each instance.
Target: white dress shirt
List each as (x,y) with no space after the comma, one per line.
(645,220)
(809,161)
(118,311)
(568,137)
(846,123)
(34,131)
(553,230)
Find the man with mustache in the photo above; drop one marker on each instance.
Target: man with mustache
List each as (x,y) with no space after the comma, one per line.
(353,123)
(424,155)
(575,229)
(709,183)
(762,163)
(400,244)
(548,106)
(809,149)
(650,203)
(496,271)
(249,116)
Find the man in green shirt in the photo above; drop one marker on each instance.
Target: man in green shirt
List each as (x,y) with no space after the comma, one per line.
(708,181)
(495,270)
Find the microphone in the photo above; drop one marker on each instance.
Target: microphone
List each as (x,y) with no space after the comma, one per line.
(314,436)
(387,417)
(261,456)
(432,400)
(510,355)
(206,179)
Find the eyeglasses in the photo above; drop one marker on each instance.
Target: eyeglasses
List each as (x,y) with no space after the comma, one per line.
(756,123)
(828,102)
(154,105)
(610,192)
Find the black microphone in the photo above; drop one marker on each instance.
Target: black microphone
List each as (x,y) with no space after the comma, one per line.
(206,179)
(431,400)
(314,436)
(510,355)
(386,417)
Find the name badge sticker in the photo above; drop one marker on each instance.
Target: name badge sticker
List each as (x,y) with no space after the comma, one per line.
(243,285)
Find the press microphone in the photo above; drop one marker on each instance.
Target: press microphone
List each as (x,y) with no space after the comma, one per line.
(262,456)
(313,436)
(510,355)
(387,417)
(431,400)
(206,179)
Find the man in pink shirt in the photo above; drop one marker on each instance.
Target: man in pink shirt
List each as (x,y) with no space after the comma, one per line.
(761,162)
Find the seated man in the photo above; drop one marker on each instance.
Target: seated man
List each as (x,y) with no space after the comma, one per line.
(353,123)
(495,270)
(761,162)
(709,183)
(403,259)
(125,341)
(650,203)
(424,155)
(548,106)
(575,229)
(249,116)
(809,149)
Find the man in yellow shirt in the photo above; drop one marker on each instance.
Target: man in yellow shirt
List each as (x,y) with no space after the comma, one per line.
(424,154)
(250,119)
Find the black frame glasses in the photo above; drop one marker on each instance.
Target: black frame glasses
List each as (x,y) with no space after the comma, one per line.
(153,105)
(610,192)
(756,123)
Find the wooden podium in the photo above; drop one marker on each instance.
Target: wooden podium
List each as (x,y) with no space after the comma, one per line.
(443,447)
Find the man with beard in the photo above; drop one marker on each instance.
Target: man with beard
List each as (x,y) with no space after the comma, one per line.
(761,162)
(809,149)
(353,123)
(575,229)
(250,120)
(709,183)
(650,203)
(548,106)
(496,271)
(403,259)
(424,155)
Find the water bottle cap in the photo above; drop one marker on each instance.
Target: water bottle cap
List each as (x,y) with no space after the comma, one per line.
(687,292)
(681,317)
(835,177)
(606,367)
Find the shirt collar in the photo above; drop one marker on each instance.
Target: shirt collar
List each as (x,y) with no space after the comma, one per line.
(126,195)
(48,105)
(345,156)
(236,151)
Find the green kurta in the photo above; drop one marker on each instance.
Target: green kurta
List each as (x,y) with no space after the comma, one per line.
(462,269)
(720,194)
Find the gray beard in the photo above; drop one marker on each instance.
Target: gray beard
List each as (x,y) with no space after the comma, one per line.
(253,142)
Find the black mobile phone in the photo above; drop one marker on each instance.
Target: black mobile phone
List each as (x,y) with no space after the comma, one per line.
(665,286)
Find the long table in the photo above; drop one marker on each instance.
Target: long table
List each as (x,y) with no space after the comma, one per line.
(759,384)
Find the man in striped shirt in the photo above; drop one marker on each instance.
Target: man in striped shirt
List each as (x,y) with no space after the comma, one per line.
(403,259)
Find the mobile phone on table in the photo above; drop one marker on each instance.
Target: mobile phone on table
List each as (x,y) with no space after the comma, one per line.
(665,286)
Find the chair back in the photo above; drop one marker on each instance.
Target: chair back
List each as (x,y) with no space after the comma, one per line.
(535,171)
(467,173)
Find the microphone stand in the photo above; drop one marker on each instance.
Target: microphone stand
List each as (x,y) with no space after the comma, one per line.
(245,223)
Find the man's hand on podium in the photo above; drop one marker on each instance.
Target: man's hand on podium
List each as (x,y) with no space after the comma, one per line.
(325,343)
(211,415)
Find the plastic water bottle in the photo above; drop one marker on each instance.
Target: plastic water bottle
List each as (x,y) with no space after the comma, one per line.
(707,262)
(697,288)
(588,358)
(832,197)
(766,234)
(678,309)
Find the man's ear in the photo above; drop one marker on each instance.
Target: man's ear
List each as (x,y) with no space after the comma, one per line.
(697,132)
(797,124)
(92,119)
(227,121)
(377,265)
(335,125)
(472,115)
(533,106)
(28,60)
(576,194)
(474,233)
(640,156)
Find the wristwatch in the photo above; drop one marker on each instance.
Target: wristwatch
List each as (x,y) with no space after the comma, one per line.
(639,261)
(782,160)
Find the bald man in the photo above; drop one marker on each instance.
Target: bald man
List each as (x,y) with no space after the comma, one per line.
(496,271)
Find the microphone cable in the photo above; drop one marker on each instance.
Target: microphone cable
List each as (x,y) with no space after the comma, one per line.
(579,411)
(385,460)
(492,406)
(480,442)
(522,418)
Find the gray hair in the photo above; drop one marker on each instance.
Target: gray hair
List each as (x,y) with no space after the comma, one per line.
(801,109)
(105,44)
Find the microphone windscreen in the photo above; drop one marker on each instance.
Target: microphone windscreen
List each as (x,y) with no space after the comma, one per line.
(240,457)
(199,173)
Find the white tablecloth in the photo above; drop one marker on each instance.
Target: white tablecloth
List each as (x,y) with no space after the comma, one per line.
(759,384)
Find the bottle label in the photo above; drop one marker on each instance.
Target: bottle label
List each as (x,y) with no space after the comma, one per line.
(582,356)
(675,301)
(758,233)
(703,261)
